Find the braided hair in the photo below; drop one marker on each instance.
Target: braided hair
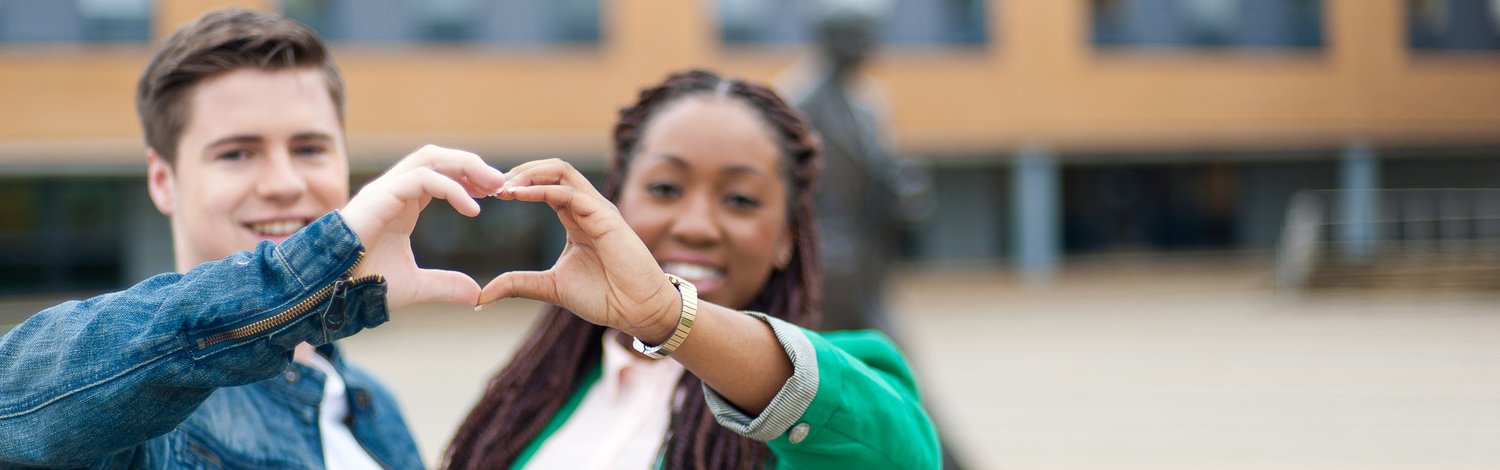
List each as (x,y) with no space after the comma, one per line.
(562,348)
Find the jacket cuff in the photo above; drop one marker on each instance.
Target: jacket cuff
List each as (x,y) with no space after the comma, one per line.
(789,404)
(317,257)
(323,254)
(319,254)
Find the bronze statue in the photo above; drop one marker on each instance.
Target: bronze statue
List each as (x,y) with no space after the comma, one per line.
(858,203)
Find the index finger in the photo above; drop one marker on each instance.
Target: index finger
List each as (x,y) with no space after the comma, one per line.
(546,173)
(466,167)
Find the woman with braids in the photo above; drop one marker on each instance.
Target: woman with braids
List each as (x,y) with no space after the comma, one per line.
(710,186)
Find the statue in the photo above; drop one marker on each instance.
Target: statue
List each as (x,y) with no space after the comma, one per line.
(867,197)
(860,217)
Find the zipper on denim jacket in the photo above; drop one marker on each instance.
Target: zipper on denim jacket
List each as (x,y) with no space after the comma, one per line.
(294,312)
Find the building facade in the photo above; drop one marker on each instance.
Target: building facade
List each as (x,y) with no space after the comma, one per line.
(1051,128)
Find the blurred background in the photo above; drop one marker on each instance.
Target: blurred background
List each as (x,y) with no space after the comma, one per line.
(1157,233)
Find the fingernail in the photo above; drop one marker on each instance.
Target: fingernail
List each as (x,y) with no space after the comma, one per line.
(481,306)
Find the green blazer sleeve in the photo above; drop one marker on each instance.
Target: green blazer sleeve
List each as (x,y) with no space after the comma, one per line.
(851,403)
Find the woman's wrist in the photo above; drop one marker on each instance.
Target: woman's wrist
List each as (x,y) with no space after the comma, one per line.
(662,317)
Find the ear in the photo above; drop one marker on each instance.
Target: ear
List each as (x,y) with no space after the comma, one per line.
(784,249)
(161,183)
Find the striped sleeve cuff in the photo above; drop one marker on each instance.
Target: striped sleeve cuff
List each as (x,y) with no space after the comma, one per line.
(787,407)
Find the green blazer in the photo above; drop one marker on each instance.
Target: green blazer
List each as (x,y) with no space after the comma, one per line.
(851,403)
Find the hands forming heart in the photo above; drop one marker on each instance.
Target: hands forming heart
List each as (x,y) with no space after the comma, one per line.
(605,274)
(385,211)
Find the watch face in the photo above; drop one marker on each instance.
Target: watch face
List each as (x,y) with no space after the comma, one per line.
(650,352)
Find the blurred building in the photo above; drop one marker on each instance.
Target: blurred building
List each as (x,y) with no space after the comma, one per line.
(1053,127)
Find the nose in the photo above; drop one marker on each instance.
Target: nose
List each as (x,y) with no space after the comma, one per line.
(280,182)
(697,225)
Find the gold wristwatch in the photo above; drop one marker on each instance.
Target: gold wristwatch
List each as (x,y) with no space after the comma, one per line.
(689,294)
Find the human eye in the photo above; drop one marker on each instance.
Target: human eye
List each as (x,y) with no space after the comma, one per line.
(309,150)
(664,190)
(742,201)
(232,155)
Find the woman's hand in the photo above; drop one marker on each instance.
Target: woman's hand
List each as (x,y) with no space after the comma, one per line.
(385,211)
(605,274)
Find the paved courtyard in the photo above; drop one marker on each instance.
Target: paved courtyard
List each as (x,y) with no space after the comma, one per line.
(1184,365)
(1164,365)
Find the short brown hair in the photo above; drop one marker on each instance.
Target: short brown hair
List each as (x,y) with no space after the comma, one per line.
(216,43)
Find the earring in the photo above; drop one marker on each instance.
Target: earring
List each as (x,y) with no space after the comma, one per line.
(784,260)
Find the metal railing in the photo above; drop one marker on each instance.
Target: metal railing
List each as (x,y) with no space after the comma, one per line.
(1394,236)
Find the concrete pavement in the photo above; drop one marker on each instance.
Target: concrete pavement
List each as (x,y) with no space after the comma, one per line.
(1133,365)
(1184,365)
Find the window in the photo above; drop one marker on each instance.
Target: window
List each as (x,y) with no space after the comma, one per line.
(1453,24)
(911,22)
(1207,23)
(75,21)
(514,22)
(61,234)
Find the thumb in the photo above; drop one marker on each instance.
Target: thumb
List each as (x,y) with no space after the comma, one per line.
(534,285)
(437,285)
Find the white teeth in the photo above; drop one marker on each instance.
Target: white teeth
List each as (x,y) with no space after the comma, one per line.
(692,272)
(278,228)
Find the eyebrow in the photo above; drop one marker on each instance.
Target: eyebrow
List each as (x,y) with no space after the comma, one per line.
(255,139)
(235,139)
(737,170)
(675,161)
(312,135)
(733,170)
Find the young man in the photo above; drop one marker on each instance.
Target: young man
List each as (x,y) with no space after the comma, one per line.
(242,113)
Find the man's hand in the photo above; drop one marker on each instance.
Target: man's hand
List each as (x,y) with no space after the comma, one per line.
(385,211)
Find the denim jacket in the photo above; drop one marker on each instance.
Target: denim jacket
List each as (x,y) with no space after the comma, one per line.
(194,370)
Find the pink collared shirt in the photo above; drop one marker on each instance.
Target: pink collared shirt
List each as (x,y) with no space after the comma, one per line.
(622,421)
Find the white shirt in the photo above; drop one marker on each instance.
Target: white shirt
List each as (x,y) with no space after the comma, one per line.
(623,420)
(340,450)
